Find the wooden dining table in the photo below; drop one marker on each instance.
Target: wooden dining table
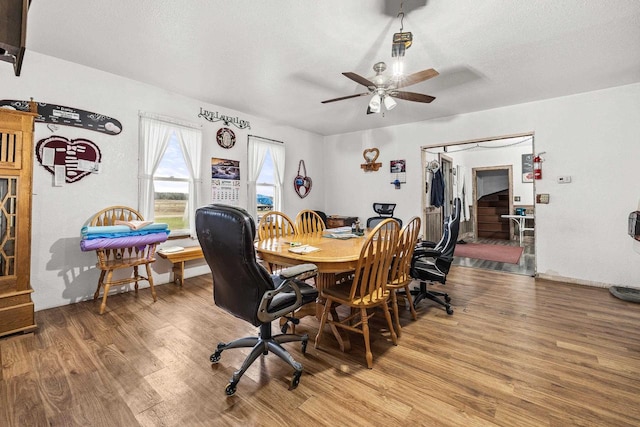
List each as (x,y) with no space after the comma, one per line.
(334,256)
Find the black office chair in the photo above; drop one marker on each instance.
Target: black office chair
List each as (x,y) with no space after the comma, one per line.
(323,216)
(244,288)
(432,264)
(384,211)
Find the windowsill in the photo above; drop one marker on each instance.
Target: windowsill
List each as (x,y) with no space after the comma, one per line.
(178,236)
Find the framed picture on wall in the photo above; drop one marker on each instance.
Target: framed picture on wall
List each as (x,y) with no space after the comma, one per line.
(527,168)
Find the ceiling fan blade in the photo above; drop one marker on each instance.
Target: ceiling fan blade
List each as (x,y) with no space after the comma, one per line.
(359,79)
(345,97)
(412,96)
(418,77)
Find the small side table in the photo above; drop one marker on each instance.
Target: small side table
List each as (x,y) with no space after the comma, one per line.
(521,221)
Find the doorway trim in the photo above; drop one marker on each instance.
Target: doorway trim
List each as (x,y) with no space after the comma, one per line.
(424,149)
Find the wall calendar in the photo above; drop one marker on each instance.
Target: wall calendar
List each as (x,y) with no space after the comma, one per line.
(225,181)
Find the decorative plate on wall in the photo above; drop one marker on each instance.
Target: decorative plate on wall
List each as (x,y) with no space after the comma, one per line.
(226,138)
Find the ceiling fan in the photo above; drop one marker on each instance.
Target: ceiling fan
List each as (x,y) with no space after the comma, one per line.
(385,88)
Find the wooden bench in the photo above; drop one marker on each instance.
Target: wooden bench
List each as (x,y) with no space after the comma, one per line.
(179,258)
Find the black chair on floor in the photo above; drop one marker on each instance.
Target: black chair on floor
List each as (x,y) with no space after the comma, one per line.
(432,264)
(244,288)
(384,211)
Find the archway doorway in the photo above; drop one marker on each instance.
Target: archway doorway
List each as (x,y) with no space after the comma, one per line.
(487,157)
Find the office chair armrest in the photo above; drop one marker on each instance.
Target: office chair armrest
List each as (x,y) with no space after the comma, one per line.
(290,275)
(426,252)
(300,272)
(426,244)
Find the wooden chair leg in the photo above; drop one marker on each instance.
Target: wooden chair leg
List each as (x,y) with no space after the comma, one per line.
(387,315)
(323,320)
(100,283)
(407,293)
(396,314)
(150,278)
(365,334)
(107,286)
(135,277)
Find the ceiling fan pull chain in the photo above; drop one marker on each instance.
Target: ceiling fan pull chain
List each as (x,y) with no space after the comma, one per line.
(401,16)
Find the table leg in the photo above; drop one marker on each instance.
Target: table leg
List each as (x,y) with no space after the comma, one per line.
(521,230)
(323,280)
(178,273)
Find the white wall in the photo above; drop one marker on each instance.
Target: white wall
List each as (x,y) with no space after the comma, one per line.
(60,272)
(593,137)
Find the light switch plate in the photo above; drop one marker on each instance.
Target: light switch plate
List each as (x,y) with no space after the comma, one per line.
(566,179)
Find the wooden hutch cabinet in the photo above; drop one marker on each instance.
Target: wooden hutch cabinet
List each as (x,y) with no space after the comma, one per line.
(16,164)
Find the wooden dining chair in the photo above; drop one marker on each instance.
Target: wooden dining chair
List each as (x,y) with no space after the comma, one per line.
(110,260)
(308,221)
(367,289)
(399,278)
(274,224)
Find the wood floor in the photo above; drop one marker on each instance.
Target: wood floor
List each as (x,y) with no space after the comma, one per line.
(516,352)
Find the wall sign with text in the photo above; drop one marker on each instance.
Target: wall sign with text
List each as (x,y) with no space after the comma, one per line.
(67,116)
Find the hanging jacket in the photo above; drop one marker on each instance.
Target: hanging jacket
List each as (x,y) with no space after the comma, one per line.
(437,189)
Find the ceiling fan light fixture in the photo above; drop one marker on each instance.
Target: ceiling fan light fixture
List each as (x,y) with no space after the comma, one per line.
(374,104)
(398,67)
(389,103)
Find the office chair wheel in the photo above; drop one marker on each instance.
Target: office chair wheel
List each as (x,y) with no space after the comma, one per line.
(447,298)
(449,310)
(231,388)
(303,347)
(285,327)
(215,357)
(295,380)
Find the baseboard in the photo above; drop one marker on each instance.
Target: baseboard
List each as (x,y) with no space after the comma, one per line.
(555,278)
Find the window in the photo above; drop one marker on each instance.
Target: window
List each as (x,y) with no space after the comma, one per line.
(266,172)
(171,189)
(265,186)
(170,164)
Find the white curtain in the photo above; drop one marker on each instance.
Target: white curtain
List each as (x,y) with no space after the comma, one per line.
(154,137)
(191,143)
(277,155)
(257,152)
(463,193)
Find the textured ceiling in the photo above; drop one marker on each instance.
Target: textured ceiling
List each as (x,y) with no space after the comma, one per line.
(279,59)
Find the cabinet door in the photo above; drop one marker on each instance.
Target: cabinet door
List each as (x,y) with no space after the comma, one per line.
(8,222)
(15,203)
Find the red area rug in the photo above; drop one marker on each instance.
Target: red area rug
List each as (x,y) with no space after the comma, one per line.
(497,253)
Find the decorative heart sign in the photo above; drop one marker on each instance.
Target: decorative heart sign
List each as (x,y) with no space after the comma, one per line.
(371,155)
(80,157)
(302,183)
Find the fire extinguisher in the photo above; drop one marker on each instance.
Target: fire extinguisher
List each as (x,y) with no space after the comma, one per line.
(537,167)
